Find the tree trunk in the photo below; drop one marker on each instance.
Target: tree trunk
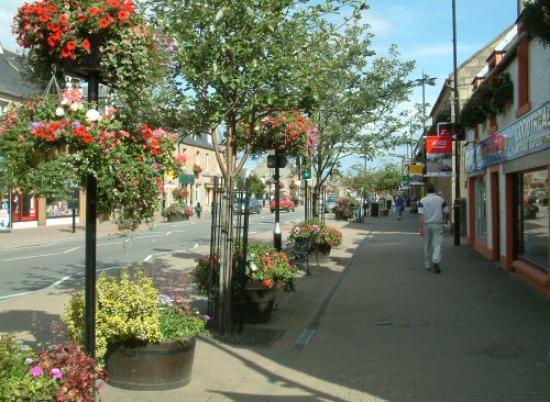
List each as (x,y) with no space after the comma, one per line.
(315,201)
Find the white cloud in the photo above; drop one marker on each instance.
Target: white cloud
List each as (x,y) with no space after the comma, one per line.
(380,26)
(8,9)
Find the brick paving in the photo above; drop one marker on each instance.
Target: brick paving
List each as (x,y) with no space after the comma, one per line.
(384,329)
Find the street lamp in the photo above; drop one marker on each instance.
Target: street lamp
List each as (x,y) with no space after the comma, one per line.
(456,204)
(425,80)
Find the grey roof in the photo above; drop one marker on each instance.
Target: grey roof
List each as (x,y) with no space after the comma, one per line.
(15,75)
(198,140)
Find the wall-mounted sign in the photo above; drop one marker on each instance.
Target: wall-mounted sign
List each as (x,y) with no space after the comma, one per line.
(439,156)
(527,135)
(5,216)
(416,172)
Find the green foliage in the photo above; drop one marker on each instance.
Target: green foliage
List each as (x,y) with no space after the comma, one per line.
(16,380)
(127,310)
(488,100)
(178,324)
(201,273)
(387,179)
(536,19)
(270,268)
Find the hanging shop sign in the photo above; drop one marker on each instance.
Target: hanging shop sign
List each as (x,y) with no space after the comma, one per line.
(439,156)
(527,135)
(416,172)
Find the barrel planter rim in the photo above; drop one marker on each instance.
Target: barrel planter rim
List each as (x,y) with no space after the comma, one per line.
(173,356)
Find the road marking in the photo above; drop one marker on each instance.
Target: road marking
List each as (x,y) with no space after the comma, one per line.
(305,337)
(70,250)
(59,282)
(148,258)
(15,295)
(168,233)
(31,256)
(196,245)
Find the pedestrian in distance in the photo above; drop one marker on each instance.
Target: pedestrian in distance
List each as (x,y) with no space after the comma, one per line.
(365,208)
(399,206)
(433,213)
(198,209)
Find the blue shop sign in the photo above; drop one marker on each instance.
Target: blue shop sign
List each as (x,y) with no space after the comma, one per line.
(526,136)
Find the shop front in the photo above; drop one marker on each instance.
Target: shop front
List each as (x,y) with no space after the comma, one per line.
(508,180)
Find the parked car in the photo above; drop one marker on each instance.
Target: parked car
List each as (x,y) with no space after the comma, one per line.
(285,204)
(330,204)
(255,206)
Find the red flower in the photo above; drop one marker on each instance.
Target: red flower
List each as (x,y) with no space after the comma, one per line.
(123,16)
(87,139)
(268,283)
(104,22)
(86,45)
(114,3)
(71,45)
(53,27)
(82,18)
(52,41)
(64,18)
(66,52)
(156,151)
(93,11)
(53,8)
(43,18)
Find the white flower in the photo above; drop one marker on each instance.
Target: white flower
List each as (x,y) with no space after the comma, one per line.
(28,360)
(74,107)
(65,102)
(92,115)
(59,112)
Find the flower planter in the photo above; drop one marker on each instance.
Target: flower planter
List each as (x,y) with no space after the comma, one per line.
(150,366)
(324,249)
(258,305)
(177,218)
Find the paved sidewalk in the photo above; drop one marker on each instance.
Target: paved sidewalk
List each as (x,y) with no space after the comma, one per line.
(374,326)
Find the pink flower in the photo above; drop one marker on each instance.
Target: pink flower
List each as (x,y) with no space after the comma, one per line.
(182,159)
(36,371)
(57,373)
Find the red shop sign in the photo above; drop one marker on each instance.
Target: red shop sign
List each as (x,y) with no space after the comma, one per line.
(439,145)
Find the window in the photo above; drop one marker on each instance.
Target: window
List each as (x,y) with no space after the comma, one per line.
(481,207)
(533,216)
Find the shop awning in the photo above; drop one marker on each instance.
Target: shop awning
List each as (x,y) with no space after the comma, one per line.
(187,179)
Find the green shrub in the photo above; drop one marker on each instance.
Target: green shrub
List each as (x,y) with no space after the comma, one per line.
(127,310)
(180,323)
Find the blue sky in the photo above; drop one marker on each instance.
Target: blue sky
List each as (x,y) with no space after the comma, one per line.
(420,28)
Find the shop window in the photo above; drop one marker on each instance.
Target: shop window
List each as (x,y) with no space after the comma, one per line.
(534,218)
(481,207)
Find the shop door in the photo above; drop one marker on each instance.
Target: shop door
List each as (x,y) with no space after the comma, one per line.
(25,208)
(495,215)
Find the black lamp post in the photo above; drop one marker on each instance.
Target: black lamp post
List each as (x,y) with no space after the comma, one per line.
(456,204)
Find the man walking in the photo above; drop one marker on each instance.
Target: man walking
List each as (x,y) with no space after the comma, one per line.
(399,205)
(433,212)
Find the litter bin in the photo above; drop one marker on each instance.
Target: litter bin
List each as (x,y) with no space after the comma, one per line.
(374,209)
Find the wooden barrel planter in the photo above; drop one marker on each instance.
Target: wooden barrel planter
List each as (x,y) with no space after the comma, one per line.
(176,218)
(150,366)
(324,249)
(258,305)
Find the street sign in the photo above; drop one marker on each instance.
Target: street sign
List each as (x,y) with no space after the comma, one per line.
(306,175)
(274,161)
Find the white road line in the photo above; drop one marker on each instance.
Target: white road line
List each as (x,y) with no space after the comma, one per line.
(168,233)
(31,256)
(59,282)
(14,295)
(148,258)
(70,250)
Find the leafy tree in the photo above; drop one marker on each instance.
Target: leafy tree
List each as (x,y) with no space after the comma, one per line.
(353,100)
(239,61)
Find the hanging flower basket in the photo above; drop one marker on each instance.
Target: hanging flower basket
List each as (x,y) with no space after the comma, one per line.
(197,170)
(74,34)
(288,133)
(52,143)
